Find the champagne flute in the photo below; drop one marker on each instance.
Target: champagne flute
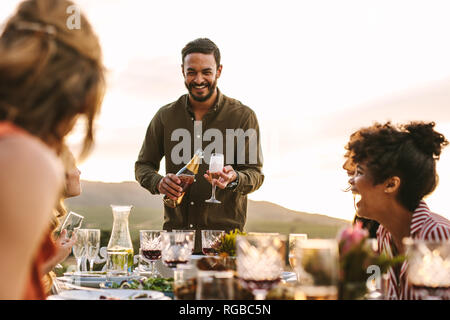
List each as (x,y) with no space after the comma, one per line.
(79,247)
(215,167)
(92,246)
(293,239)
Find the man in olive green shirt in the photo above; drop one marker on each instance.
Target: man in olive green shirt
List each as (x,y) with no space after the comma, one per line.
(214,123)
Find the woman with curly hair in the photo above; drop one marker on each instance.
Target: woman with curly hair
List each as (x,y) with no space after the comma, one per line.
(392,169)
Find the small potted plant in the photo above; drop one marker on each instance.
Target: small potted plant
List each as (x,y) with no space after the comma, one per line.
(355,256)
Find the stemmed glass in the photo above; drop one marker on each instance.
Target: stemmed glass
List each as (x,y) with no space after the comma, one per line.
(151,248)
(293,239)
(191,237)
(209,239)
(176,248)
(428,268)
(259,262)
(92,246)
(215,167)
(79,247)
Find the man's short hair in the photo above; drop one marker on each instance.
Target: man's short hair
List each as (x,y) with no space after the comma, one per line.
(201,45)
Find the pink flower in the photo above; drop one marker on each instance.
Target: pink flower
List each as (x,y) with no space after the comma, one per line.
(351,236)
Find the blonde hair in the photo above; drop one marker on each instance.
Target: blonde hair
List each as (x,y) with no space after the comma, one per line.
(50,74)
(69,163)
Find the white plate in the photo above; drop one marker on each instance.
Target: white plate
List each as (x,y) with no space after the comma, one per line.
(91,280)
(110,294)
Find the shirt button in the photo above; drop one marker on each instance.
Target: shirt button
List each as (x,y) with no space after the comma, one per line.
(191,226)
(192,203)
(198,136)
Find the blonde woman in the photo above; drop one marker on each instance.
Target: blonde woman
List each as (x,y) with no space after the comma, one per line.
(62,243)
(49,76)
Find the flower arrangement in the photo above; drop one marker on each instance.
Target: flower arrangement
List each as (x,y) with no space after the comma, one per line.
(355,256)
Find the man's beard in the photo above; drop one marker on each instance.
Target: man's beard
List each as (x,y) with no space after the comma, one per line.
(211,89)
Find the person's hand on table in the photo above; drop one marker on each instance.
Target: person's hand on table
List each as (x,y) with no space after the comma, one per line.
(170,186)
(227,175)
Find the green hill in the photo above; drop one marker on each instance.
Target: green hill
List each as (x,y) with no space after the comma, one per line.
(147,213)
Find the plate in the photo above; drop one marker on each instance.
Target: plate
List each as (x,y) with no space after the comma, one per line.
(91,279)
(111,294)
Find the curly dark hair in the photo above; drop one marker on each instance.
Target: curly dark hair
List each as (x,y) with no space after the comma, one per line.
(201,45)
(408,151)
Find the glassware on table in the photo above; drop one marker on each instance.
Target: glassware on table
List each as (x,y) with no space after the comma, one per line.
(185,283)
(215,285)
(293,239)
(92,246)
(71,223)
(79,247)
(259,260)
(215,167)
(120,245)
(191,237)
(150,250)
(176,248)
(209,239)
(428,268)
(317,268)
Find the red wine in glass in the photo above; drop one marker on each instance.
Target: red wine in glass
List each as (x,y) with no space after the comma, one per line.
(174,263)
(253,284)
(151,254)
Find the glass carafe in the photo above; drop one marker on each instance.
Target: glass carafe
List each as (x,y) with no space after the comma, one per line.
(120,248)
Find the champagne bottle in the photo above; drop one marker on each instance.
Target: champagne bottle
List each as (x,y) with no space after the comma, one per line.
(186,175)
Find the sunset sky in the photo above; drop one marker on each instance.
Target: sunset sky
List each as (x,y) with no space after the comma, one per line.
(313,71)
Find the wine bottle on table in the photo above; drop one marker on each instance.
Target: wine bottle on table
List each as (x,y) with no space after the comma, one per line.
(187,176)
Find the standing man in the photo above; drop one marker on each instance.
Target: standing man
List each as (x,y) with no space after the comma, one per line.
(210,119)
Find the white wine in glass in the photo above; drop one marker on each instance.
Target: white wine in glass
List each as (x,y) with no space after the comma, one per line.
(215,167)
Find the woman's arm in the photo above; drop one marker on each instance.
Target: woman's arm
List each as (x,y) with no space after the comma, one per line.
(30,181)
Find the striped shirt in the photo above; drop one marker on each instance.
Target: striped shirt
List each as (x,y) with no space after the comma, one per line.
(425,225)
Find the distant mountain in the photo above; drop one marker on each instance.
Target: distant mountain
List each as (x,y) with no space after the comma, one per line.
(96,198)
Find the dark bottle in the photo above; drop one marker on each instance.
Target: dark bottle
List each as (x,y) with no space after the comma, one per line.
(187,176)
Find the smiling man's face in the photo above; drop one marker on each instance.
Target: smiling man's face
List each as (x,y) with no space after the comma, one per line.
(200,75)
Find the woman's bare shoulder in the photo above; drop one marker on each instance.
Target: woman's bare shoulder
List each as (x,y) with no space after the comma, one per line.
(23,155)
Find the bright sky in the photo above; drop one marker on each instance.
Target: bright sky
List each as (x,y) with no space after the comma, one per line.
(313,71)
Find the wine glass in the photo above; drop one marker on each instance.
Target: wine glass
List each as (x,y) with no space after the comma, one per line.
(71,223)
(428,268)
(79,247)
(150,249)
(293,239)
(259,262)
(317,268)
(209,239)
(176,248)
(191,237)
(92,246)
(215,285)
(215,167)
